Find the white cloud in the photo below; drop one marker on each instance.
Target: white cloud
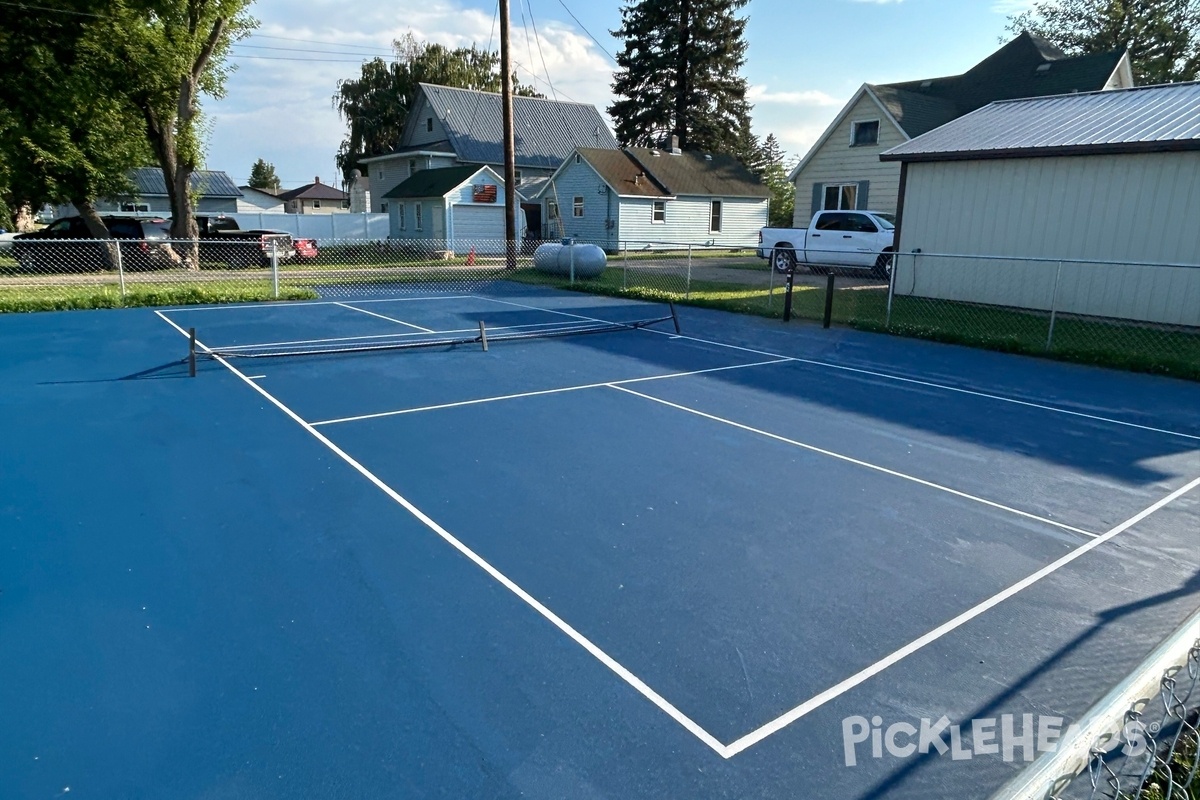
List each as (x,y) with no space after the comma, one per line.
(1009,7)
(762,94)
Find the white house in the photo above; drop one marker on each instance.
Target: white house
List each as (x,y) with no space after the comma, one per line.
(254,201)
(648,198)
(842,169)
(456,209)
(1059,202)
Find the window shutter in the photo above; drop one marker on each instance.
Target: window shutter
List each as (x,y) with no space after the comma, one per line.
(863,200)
(818,199)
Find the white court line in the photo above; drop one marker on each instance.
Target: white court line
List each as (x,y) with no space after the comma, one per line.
(858,462)
(781,722)
(605,659)
(298,303)
(778,724)
(540,392)
(389,319)
(877,374)
(255,377)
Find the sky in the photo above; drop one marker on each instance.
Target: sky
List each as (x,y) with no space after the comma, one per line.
(804,61)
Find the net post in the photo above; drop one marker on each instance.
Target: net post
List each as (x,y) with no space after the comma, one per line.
(191,352)
(787,295)
(828,300)
(674,317)
(483,335)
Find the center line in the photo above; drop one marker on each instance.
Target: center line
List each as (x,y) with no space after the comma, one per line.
(389,319)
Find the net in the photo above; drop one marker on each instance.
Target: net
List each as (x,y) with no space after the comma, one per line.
(482,336)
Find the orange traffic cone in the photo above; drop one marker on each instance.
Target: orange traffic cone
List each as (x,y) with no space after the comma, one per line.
(471,258)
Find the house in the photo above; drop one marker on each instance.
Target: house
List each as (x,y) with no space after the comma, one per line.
(315,198)
(450,127)
(649,198)
(1079,195)
(842,170)
(455,209)
(215,193)
(255,201)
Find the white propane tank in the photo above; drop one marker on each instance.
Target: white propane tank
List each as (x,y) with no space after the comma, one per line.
(569,258)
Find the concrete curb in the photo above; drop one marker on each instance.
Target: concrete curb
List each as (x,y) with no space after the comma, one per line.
(1101,725)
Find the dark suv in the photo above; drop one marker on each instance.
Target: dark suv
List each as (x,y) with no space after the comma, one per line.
(66,245)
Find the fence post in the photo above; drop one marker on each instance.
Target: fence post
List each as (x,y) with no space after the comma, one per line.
(828,300)
(624,266)
(275,268)
(1053,306)
(887,323)
(687,292)
(571,255)
(787,295)
(121,268)
(770,282)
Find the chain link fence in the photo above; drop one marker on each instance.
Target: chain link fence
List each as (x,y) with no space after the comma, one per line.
(1134,316)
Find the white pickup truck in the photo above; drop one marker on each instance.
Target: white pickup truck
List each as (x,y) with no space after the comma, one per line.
(843,239)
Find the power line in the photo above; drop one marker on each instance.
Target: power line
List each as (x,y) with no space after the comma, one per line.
(306,50)
(538,40)
(585,30)
(314,41)
(27,7)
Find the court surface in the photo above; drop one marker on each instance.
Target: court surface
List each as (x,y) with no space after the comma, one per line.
(618,565)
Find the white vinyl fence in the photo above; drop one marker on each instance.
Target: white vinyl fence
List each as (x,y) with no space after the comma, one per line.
(322,227)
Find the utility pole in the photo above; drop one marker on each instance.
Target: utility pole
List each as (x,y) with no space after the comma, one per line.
(510,164)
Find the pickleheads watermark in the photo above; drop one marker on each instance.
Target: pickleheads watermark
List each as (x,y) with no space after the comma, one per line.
(1005,736)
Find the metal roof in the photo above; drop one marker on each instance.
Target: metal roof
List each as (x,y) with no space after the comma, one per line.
(546,131)
(434,182)
(150,182)
(1145,119)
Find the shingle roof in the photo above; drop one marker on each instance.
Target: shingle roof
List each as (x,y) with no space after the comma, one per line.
(546,131)
(314,191)
(1150,118)
(206,183)
(433,182)
(1028,66)
(643,172)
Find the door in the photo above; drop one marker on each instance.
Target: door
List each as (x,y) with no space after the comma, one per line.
(480,227)
(825,243)
(861,239)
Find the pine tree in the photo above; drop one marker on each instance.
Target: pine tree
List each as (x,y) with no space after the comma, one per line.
(774,171)
(1163,36)
(678,76)
(262,176)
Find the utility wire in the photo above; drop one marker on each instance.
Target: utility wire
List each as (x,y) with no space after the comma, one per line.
(585,30)
(541,55)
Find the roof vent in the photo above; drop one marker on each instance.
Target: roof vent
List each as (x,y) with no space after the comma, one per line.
(707,157)
(1043,68)
(654,153)
(926,84)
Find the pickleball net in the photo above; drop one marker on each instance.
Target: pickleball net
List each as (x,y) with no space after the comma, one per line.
(481,336)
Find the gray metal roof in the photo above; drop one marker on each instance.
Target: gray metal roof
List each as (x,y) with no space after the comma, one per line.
(547,131)
(206,183)
(1145,119)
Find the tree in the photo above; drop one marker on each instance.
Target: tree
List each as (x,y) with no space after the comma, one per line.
(262,176)
(70,139)
(775,166)
(1163,36)
(678,76)
(376,104)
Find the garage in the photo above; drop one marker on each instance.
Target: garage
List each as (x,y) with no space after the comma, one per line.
(1082,204)
(453,209)
(482,226)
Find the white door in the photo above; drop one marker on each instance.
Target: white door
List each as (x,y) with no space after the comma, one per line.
(480,227)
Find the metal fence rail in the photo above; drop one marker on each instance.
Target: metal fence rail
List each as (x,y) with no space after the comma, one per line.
(1139,316)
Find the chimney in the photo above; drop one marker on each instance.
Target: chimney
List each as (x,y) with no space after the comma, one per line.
(317,179)
(675,145)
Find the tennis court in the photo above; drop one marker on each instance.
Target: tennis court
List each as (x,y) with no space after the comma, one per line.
(622,550)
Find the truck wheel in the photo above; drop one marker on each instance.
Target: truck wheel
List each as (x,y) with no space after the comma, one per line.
(783,259)
(883,266)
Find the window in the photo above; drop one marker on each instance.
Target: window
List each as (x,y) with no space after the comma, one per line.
(714,217)
(417,215)
(864,133)
(578,158)
(552,209)
(859,223)
(517,177)
(658,211)
(400,213)
(832,222)
(429,124)
(412,167)
(138,207)
(383,207)
(841,197)
(316,203)
(577,207)
(345,204)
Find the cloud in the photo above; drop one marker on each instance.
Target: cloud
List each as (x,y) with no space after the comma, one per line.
(761,93)
(1012,7)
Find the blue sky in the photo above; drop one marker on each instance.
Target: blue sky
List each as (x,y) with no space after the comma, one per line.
(805,59)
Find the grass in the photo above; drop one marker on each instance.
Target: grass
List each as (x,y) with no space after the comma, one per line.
(66,298)
(1129,346)
(1156,786)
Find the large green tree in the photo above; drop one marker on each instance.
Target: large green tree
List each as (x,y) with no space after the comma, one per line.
(678,75)
(1163,36)
(375,105)
(262,176)
(64,136)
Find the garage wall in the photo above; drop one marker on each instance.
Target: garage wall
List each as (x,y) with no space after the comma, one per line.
(1121,209)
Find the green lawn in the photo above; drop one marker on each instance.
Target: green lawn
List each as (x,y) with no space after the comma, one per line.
(64,298)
